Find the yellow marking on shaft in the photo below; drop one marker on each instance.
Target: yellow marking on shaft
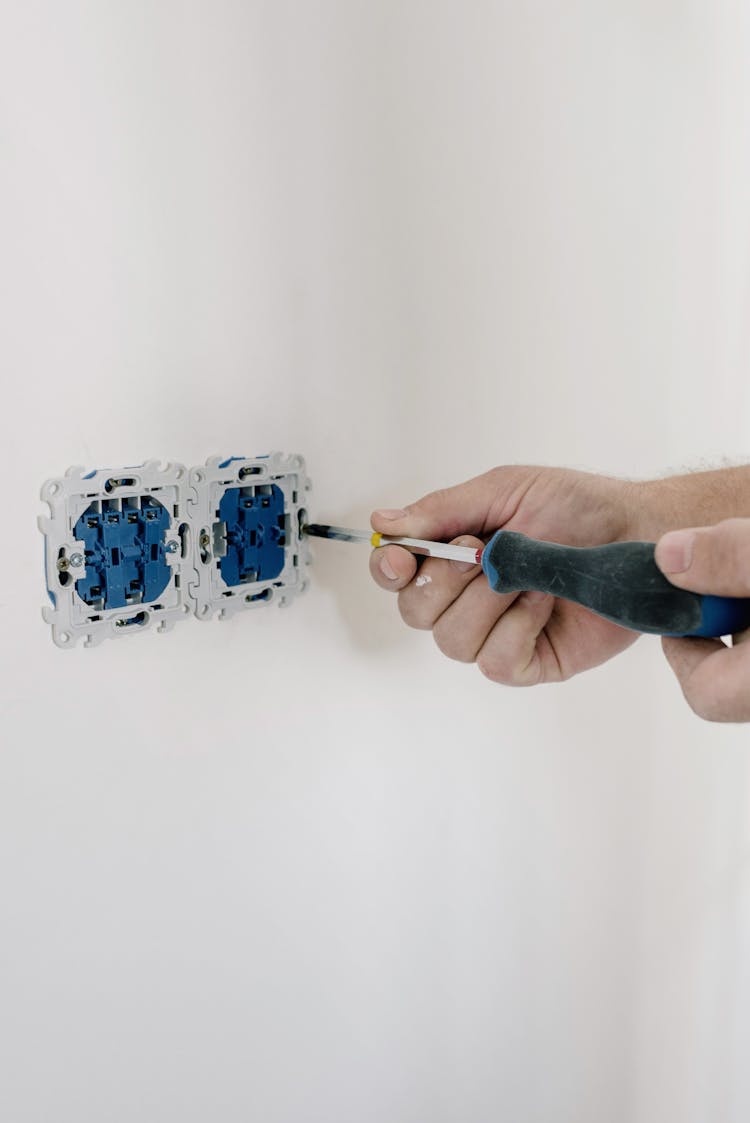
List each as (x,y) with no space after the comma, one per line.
(376,539)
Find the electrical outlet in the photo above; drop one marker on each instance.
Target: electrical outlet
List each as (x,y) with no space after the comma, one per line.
(248,512)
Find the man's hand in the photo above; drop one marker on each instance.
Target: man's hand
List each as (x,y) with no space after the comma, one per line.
(523,638)
(715,679)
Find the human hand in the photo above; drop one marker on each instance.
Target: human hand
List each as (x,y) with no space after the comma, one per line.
(520,639)
(715,678)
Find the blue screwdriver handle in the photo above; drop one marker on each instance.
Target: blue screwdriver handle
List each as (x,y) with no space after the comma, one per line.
(619,581)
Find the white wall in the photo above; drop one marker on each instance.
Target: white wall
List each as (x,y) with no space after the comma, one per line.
(299,867)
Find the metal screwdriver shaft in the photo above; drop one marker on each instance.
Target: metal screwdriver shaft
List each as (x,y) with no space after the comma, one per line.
(415,545)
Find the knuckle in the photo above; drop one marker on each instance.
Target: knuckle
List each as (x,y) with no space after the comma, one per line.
(425,503)
(503,667)
(432,503)
(703,707)
(451,643)
(736,525)
(497,474)
(497,667)
(701,696)
(707,703)
(414,611)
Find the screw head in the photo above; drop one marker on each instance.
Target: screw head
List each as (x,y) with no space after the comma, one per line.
(172,546)
(204,540)
(76,560)
(63,564)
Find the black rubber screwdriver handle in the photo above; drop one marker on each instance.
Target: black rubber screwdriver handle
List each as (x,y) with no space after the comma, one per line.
(619,581)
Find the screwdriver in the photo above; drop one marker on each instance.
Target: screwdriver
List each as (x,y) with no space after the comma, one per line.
(619,581)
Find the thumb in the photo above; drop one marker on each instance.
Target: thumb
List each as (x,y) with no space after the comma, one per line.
(485,502)
(709,559)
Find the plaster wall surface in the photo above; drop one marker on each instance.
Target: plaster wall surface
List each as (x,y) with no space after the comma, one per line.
(299,866)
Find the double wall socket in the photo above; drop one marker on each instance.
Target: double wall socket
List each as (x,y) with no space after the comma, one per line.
(127,549)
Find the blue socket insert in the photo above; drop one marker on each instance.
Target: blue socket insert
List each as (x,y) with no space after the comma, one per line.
(124,552)
(253,527)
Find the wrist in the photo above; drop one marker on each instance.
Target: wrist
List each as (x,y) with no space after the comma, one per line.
(698,499)
(643,502)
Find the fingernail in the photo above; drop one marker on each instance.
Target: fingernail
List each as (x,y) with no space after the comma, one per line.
(463,567)
(535,597)
(387,569)
(674,552)
(387,513)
